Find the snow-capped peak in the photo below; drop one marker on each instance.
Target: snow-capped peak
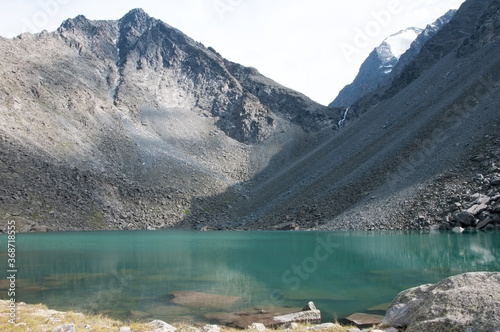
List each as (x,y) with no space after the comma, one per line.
(400,42)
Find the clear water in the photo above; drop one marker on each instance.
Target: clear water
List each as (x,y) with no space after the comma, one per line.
(128,275)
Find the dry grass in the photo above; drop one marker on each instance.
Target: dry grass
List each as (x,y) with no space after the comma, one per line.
(38,318)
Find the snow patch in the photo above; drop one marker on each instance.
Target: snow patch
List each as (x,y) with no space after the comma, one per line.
(400,42)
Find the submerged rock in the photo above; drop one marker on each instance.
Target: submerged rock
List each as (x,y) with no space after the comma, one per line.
(466,302)
(202,300)
(365,319)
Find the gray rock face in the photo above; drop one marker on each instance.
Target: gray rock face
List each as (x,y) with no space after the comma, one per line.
(466,302)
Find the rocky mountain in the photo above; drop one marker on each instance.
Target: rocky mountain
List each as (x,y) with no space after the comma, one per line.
(388,61)
(430,31)
(455,32)
(122,124)
(130,124)
(376,67)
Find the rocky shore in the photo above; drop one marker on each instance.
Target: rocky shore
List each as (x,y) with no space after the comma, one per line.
(466,302)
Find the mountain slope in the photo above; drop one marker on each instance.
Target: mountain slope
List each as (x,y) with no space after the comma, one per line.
(406,161)
(123,124)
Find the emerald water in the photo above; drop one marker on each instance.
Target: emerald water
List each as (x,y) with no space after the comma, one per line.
(129,275)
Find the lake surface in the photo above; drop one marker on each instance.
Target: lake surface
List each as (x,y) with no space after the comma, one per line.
(130,274)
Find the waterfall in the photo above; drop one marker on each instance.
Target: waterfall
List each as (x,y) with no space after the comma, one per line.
(342,122)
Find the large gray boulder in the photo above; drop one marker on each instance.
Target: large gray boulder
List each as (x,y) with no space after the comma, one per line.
(466,302)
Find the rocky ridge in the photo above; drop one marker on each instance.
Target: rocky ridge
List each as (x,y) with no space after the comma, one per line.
(127,124)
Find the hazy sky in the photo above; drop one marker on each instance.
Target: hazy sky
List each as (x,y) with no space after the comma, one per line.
(313,46)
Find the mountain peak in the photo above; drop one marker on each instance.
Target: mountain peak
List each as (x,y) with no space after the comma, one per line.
(138,19)
(136,14)
(400,42)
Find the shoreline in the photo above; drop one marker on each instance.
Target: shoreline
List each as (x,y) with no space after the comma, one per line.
(38,317)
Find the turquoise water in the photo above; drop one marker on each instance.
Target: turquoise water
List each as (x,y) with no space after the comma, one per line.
(129,275)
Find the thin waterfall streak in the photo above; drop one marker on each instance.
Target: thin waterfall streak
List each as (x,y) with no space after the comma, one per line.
(342,122)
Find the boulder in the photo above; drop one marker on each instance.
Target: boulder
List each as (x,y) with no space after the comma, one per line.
(464,217)
(309,314)
(477,209)
(161,326)
(466,302)
(495,181)
(484,222)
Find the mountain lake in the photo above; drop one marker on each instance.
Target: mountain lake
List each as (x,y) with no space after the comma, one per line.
(187,276)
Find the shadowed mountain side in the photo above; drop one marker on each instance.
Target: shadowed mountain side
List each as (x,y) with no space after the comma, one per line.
(383,170)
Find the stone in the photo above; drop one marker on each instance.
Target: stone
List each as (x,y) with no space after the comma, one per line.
(210,328)
(353,329)
(496,208)
(324,326)
(484,222)
(125,329)
(309,306)
(364,319)
(161,326)
(466,302)
(65,328)
(477,209)
(495,181)
(465,218)
(457,229)
(293,326)
(259,327)
(308,316)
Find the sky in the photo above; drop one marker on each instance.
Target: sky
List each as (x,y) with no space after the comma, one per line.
(313,46)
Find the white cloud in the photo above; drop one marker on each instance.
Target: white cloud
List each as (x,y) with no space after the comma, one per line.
(295,42)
